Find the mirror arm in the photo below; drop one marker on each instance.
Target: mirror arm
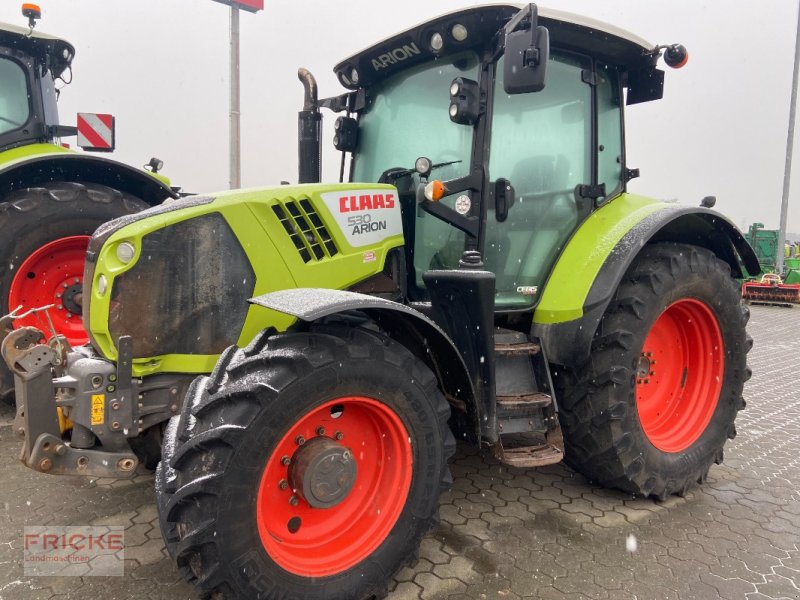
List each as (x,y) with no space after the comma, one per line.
(530,12)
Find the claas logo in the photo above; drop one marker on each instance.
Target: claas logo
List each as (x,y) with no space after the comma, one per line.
(365,202)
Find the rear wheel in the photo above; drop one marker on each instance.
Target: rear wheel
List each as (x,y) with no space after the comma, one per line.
(308,465)
(44,232)
(655,405)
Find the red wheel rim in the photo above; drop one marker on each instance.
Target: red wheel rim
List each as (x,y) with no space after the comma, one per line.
(315,542)
(679,375)
(53,274)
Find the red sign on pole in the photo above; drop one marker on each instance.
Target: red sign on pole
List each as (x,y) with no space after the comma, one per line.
(248,5)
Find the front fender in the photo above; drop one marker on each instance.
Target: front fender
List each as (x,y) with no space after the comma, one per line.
(599,253)
(30,165)
(415,331)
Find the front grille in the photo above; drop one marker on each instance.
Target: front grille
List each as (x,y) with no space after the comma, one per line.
(306,229)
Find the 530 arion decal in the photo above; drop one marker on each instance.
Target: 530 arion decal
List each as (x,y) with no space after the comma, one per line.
(367,217)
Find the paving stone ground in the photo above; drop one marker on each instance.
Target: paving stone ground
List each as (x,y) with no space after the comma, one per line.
(506,533)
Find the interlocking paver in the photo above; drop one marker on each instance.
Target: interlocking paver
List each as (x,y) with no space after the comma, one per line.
(545,534)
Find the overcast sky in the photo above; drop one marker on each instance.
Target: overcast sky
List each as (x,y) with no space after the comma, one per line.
(161,67)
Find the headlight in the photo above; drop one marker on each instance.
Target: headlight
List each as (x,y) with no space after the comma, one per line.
(125,252)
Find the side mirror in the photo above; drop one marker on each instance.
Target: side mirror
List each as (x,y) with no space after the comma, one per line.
(526,53)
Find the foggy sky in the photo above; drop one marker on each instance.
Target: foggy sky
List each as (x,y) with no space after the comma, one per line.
(161,67)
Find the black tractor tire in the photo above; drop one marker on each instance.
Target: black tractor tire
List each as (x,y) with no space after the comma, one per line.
(654,427)
(35,217)
(230,441)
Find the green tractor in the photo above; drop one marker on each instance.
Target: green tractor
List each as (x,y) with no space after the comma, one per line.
(52,199)
(493,282)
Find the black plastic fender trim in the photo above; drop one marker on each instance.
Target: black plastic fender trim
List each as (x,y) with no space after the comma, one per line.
(404,324)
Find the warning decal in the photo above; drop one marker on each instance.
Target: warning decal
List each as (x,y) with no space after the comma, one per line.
(96,131)
(98,409)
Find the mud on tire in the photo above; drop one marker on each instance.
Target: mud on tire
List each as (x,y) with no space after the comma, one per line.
(223,518)
(655,427)
(34,217)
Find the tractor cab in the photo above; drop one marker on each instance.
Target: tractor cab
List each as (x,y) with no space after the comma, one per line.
(30,64)
(518,112)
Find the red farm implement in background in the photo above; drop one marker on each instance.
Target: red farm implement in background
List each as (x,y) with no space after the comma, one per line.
(771,290)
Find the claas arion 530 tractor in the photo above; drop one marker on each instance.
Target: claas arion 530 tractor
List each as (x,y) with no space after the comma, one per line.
(51,198)
(492,281)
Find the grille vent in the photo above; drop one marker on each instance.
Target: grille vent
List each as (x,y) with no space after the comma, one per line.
(306,229)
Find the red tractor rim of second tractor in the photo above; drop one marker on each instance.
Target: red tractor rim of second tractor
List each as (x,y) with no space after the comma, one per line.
(679,375)
(53,274)
(318,542)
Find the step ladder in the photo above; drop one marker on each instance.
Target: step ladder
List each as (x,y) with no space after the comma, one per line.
(527,420)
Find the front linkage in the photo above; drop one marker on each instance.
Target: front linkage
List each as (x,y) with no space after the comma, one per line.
(63,393)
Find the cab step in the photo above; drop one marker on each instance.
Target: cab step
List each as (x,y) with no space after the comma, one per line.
(528,431)
(523,402)
(523,412)
(523,451)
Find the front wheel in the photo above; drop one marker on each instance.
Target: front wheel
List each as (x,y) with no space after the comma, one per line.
(307,465)
(654,406)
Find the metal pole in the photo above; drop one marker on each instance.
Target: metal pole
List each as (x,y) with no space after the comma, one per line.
(787,169)
(235,140)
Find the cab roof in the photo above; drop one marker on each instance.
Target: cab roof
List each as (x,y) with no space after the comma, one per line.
(54,51)
(567,31)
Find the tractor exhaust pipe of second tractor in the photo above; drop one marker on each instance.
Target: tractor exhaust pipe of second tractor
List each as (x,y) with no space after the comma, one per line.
(309,130)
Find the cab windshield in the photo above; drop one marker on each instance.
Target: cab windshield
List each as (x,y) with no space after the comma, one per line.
(406,118)
(14,100)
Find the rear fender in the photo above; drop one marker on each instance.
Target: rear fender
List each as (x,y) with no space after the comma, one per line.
(591,267)
(424,338)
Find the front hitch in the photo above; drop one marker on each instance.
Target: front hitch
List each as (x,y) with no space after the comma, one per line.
(39,396)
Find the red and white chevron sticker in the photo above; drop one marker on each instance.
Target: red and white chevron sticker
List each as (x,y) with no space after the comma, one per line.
(96,131)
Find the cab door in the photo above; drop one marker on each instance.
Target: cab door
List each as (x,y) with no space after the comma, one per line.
(543,148)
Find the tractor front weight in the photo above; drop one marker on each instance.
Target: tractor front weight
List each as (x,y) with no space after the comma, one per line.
(65,394)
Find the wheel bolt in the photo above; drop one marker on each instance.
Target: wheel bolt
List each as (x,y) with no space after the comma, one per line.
(58,295)
(338,435)
(60,307)
(320,431)
(285,461)
(294,501)
(300,440)
(283,484)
